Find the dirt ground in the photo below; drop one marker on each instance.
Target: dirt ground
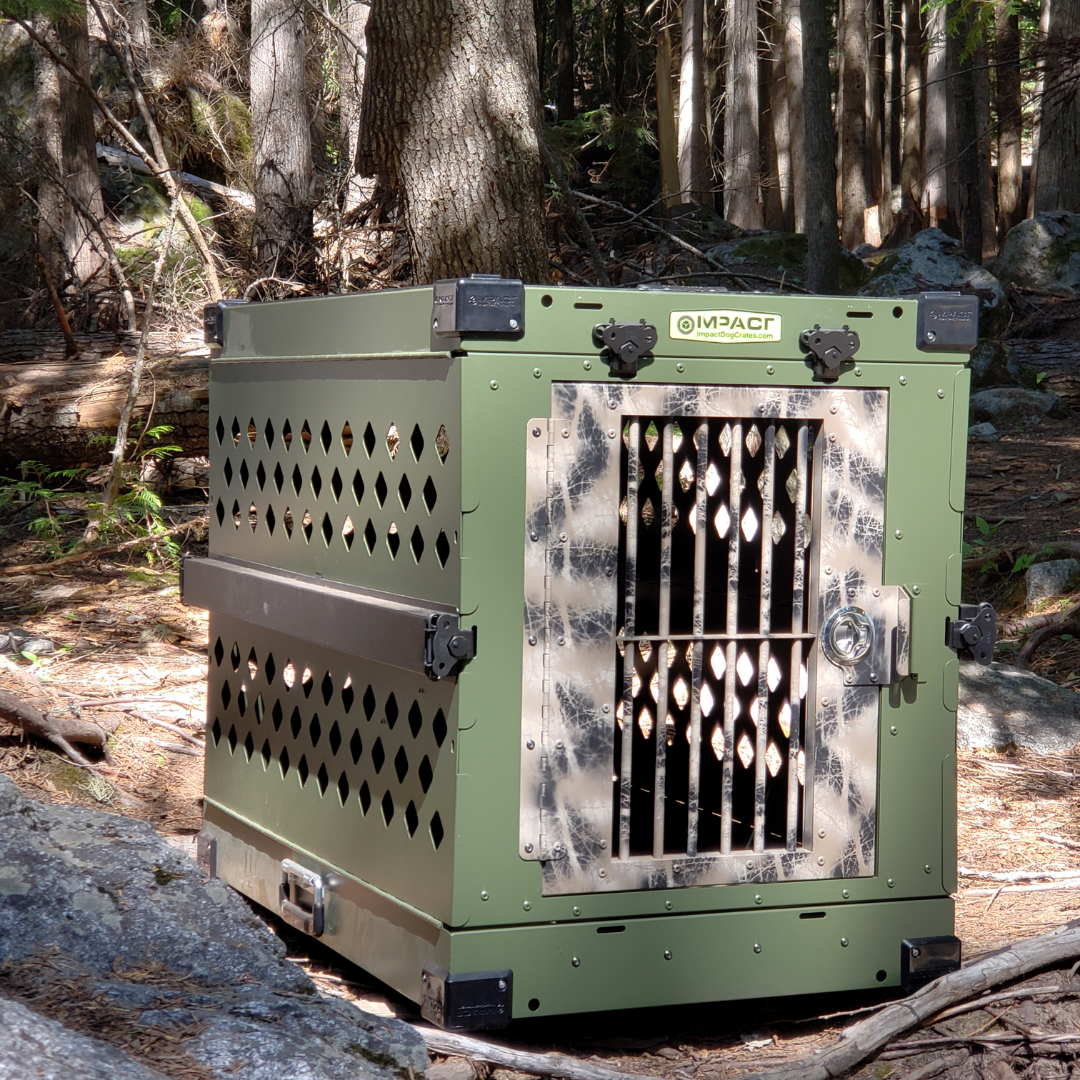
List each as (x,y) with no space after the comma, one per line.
(126,650)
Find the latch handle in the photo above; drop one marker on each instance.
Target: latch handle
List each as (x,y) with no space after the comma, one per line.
(625,344)
(311,919)
(830,348)
(973,633)
(446,646)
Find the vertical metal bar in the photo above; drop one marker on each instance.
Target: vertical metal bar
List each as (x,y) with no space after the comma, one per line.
(735,485)
(761,772)
(798,619)
(664,628)
(629,648)
(701,441)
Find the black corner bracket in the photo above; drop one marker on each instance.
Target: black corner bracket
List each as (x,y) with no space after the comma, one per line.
(922,960)
(973,633)
(624,344)
(829,349)
(479,304)
(446,646)
(467,1001)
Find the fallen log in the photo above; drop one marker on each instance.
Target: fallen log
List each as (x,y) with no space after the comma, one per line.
(62,732)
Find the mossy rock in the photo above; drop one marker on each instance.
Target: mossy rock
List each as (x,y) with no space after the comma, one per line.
(1043,253)
(783,255)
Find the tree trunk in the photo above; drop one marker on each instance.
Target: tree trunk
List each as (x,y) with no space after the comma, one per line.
(139,25)
(281,135)
(1009,108)
(981,74)
(823,256)
(780,109)
(853,124)
(911,165)
(1040,96)
(894,110)
(772,201)
(352,63)
(564,59)
(794,84)
(742,204)
(50,194)
(462,149)
(934,197)
(876,85)
(694,180)
(1057,186)
(667,134)
(965,143)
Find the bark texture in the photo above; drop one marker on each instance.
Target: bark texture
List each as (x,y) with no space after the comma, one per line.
(352,65)
(853,124)
(911,163)
(694,180)
(564,59)
(796,119)
(935,198)
(742,203)
(1057,186)
(450,116)
(281,137)
(1007,87)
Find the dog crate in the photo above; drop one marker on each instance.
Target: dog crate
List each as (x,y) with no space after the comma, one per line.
(590,649)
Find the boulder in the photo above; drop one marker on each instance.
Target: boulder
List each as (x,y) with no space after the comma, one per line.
(984,432)
(1003,706)
(995,363)
(1051,578)
(1015,406)
(110,931)
(1043,252)
(783,256)
(933,261)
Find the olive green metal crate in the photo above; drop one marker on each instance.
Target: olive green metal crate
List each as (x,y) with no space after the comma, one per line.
(590,649)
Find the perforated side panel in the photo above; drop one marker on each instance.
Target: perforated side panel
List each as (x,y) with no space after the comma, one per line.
(349,760)
(348,469)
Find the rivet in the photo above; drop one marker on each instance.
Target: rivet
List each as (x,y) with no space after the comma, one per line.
(676,868)
(821,860)
(858,371)
(757,899)
(603,873)
(587,365)
(903,380)
(899,534)
(916,952)
(527,906)
(893,730)
(852,593)
(834,408)
(849,679)
(502,984)
(611,433)
(483,894)
(844,942)
(825,701)
(821,834)
(769,369)
(667,954)
(559,742)
(566,433)
(941,393)
(845,894)
(891,883)
(513,324)
(605,708)
(926,869)
(534,537)
(757,947)
(576,962)
(530,745)
(562,537)
(528,851)
(877,592)
(577,911)
(536,375)
(750,865)
(680,368)
(562,641)
(668,905)
(613,404)
(931,335)
(915,589)
(873,676)
(761,407)
(494,385)
(832,436)
(603,844)
(532,639)
(828,571)
(536,430)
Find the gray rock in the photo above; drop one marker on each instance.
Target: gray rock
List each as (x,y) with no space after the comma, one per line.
(932,261)
(34,1048)
(1043,252)
(1050,578)
(985,432)
(1010,404)
(1002,706)
(119,911)
(995,363)
(781,255)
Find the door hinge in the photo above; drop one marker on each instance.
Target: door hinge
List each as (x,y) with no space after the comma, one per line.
(446,646)
(973,633)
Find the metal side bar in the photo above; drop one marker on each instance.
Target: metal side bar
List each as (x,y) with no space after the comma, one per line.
(660,733)
(701,442)
(735,486)
(629,648)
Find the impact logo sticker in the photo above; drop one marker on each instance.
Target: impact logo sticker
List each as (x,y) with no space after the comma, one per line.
(728,326)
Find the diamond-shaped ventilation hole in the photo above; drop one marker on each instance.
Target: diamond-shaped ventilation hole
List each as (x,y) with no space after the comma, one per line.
(322,777)
(348,532)
(393,441)
(241,700)
(380,489)
(327,687)
(305,436)
(234,656)
(356,746)
(436,830)
(346,439)
(334,738)
(245,474)
(283,761)
(378,755)
(219,429)
(277,714)
(253,516)
(287,521)
(336,485)
(252,432)
(236,514)
(232,739)
(308,525)
(416,719)
(316,481)
(219,652)
(369,703)
(438,727)
(220,511)
(405,492)
(260,709)
(365,798)
(358,487)
(266,753)
(393,539)
(348,695)
(315,730)
(387,809)
(215,731)
(226,695)
(401,764)
(268,433)
(430,495)
(416,544)
(279,478)
(416,441)
(327,529)
(442,443)
(227,472)
(343,789)
(260,475)
(288,674)
(235,429)
(286,436)
(297,479)
(295,722)
(249,746)
(392,711)
(412,819)
(307,681)
(326,437)
(369,440)
(302,769)
(271,520)
(269,668)
(370,536)
(442,548)
(425,773)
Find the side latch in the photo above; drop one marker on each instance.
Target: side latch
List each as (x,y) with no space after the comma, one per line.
(302,898)
(446,646)
(624,344)
(830,348)
(973,633)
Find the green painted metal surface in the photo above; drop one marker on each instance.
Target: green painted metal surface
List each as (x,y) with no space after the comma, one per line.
(489,902)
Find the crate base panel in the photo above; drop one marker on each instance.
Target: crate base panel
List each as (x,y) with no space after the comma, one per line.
(597,965)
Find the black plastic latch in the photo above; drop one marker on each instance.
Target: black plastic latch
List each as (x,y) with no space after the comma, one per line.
(947,322)
(624,344)
(468,1001)
(214,321)
(830,348)
(973,633)
(922,960)
(478,304)
(446,646)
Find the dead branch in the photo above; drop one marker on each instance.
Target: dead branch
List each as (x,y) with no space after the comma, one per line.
(179,731)
(1059,840)
(939,1065)
(1000,554)
(1012,627)
(175,748)
(58,307)
(1018,875)
(574,206)
(60,731)
(1040,637)
(1007,995)
(1046,886)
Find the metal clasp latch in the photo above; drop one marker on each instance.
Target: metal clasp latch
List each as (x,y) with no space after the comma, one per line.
(446,646)
(830,349)
(625,344)
(302,898)
(973,633)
